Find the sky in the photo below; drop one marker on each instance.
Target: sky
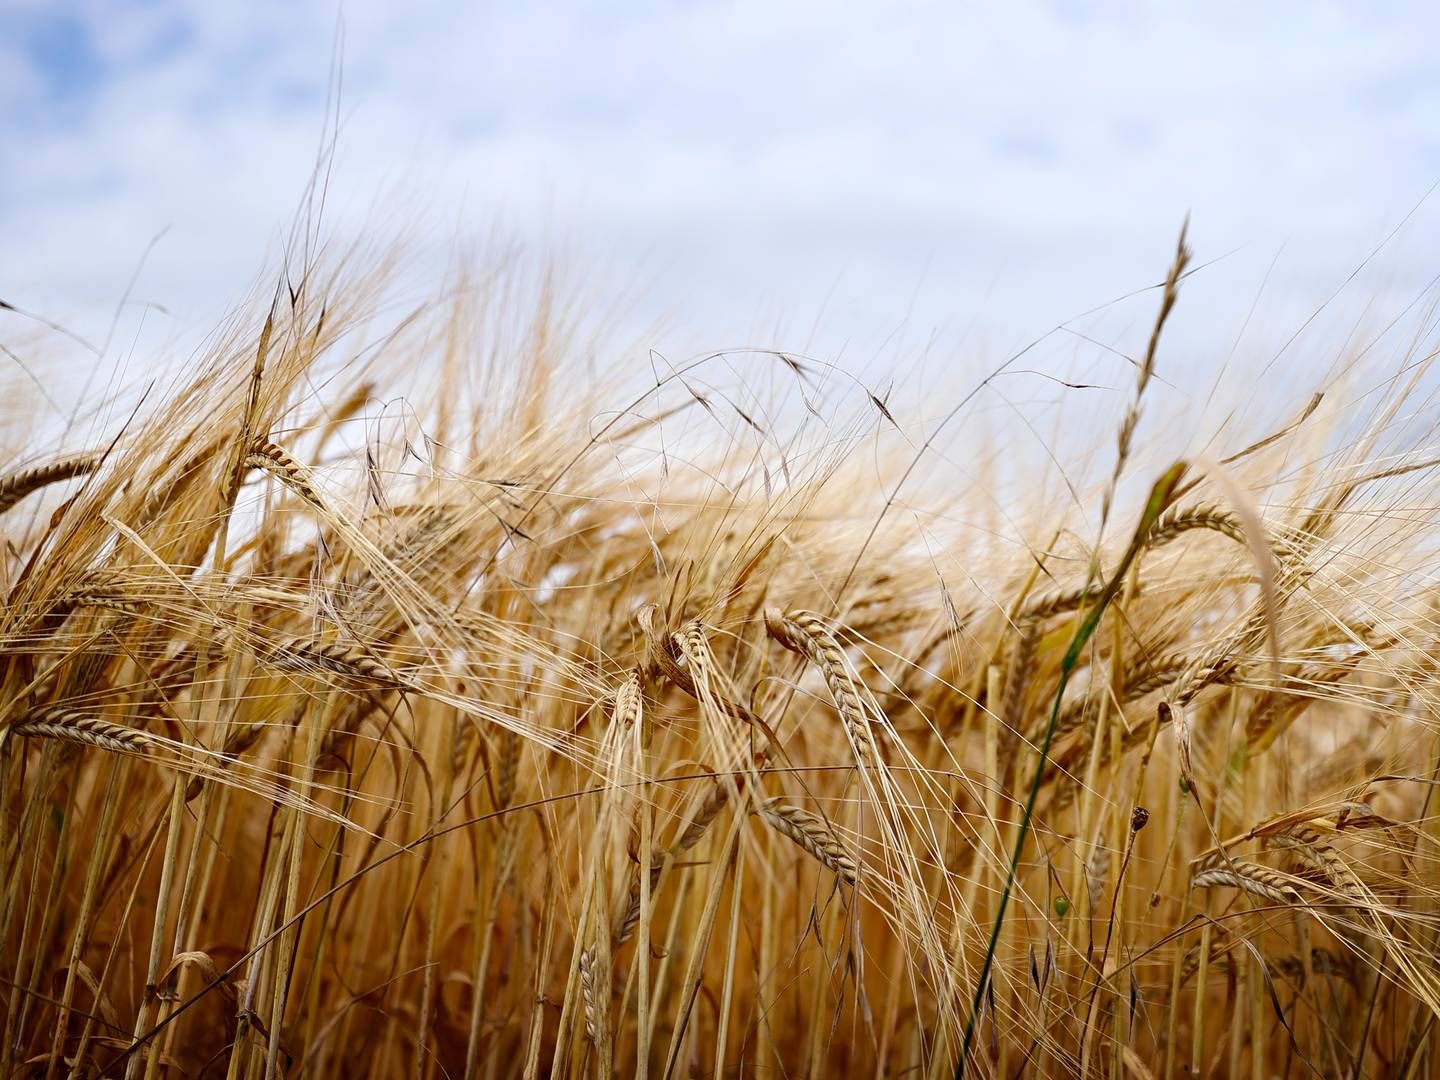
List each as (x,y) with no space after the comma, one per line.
(865,182)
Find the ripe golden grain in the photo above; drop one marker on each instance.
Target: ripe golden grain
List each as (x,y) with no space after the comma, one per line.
(490,764)
(16,485)
(811,835)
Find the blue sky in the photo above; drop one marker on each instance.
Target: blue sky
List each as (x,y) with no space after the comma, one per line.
(853,179)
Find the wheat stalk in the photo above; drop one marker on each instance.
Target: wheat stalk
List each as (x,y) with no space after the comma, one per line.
(68,725)
(310,655)
(279,462)
(811,835)
(1178,520)
(806,633)
(16,485)
(1250,877)
(595,1009)
(1057,602)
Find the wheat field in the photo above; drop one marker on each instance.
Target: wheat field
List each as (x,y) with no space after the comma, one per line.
(557,729)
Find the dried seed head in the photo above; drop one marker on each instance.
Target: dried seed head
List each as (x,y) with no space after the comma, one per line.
(279,462)
(1250,877)
(16,485)
(808,634)
(67,725)
(811,834)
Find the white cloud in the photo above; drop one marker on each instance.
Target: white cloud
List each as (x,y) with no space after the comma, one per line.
(997,167)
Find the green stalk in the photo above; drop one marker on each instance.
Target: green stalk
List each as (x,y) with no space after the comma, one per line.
(1161,496)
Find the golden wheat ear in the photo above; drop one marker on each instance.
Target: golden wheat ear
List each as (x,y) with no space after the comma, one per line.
(811,835)
(16,485)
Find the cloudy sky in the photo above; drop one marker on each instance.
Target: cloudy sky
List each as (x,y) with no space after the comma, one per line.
(851,178)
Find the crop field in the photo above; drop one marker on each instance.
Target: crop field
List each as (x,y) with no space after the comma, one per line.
(715,724)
